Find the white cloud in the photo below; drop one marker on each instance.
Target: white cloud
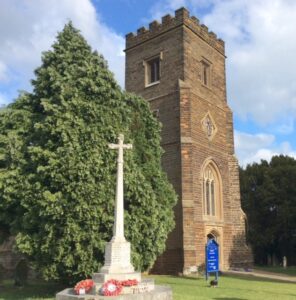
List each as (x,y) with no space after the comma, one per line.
(162,8)
(254,147)
(253,141)
(29,27)
(3,72)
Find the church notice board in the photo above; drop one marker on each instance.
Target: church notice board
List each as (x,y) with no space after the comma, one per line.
(212,258)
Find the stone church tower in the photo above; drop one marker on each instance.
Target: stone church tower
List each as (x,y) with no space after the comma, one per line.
(178,66)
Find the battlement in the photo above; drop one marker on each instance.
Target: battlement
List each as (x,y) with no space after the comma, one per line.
(182,17)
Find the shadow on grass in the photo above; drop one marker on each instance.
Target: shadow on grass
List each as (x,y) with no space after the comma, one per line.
(246,277)
(289,271)
(250,277)
(274,295)
(36,290)
(189,277)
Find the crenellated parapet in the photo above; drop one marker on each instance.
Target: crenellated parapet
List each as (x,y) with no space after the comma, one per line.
(182,17)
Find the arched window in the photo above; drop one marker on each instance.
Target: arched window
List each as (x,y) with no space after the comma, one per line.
(211,191)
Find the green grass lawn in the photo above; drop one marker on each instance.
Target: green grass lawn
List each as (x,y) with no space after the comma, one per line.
(291,271)
(40,290)
(230,288)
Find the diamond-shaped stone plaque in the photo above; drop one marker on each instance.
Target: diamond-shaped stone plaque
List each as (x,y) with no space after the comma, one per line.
(209,126)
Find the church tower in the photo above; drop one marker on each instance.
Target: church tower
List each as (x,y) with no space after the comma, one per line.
(178,66)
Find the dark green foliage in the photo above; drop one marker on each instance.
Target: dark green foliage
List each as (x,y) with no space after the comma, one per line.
(268,193)
(57,176)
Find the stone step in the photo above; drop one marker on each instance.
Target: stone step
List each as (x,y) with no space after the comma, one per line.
(159,293)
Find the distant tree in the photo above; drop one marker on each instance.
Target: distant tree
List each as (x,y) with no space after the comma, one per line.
(57,176)
(268,193)
(15,126)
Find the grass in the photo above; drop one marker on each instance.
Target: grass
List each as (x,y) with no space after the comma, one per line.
(230,288)
(291,271)
(37,290)
(186,288)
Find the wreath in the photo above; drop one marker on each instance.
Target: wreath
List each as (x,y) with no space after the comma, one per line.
(84,285)
(112,287)
(129,282)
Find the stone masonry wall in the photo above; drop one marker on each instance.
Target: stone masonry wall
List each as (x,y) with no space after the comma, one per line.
(164,100)
(182,101)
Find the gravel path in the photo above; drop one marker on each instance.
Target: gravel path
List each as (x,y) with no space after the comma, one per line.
(262,274)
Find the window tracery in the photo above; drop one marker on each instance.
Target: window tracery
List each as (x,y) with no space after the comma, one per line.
(211,192)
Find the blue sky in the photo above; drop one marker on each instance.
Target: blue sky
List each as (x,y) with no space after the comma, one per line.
(260,47)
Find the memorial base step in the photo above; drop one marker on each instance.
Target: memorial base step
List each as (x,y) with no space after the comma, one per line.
(159,293)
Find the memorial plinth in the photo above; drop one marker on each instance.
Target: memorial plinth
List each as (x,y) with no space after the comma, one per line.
(118,255)
(117,263)
(117,258)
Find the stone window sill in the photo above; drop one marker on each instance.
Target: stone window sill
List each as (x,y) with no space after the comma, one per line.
(152,84)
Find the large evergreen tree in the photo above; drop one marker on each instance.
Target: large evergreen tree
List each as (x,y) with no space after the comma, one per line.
(268,193)
(57,176)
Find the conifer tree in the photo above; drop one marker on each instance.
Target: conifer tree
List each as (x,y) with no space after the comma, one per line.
(268,193)
(57,177)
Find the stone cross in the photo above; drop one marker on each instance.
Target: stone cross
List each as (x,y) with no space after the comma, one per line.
(118,250)
(118,229)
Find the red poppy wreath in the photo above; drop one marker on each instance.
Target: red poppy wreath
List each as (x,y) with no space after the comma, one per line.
(129,282)
(112,287)
(83,286)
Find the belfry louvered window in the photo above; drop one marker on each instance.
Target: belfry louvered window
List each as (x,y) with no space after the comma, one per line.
(153,70)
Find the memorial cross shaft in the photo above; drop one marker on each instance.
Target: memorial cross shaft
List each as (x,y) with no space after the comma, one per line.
(118,229)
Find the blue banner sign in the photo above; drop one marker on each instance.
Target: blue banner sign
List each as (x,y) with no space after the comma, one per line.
(212,257)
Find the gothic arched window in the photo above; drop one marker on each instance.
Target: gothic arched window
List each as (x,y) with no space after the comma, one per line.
(211,192)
